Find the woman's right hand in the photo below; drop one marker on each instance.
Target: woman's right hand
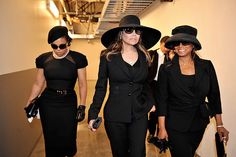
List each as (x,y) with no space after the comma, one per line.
(162,134)
(90,126)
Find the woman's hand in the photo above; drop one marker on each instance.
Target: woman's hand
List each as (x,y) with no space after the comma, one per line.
(224,133)
(90,126)
(153,109)
(162,134)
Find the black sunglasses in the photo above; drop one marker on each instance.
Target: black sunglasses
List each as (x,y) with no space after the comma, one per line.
(184,43)
(61,46)
(130,30)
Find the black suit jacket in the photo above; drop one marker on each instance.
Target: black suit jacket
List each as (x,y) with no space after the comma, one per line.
(183,108)
(129,96)
(153,68)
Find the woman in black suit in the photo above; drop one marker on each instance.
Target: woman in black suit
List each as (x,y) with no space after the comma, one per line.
(125,64)
(184,85)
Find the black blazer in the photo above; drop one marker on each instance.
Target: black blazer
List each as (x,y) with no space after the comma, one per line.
(153,68)
(183,108)
(129,96)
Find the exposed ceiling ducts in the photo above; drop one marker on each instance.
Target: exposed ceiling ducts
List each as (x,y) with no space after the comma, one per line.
(91,18)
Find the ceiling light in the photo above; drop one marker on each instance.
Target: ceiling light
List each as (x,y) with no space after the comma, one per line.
(52,8)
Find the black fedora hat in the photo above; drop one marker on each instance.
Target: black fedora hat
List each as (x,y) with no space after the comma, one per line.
(57,32)
(183,33)
(150,36)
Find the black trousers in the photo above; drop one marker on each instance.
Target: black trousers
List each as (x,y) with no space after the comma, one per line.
(184,144)
(153,116)
(127,139)
(152,122)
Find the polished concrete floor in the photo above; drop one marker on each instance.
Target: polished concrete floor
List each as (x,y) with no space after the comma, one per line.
(92,144)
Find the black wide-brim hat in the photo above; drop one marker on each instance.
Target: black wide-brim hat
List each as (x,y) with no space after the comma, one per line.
(150,36)
(183,33)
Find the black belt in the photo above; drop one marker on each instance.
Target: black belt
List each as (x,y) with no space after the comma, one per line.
(61,91)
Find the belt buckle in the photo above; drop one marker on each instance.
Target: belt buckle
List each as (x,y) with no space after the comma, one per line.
(62,92)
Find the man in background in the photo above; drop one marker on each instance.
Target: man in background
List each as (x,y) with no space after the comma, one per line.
(158,57)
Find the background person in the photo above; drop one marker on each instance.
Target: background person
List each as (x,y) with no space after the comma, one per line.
(58,70)
(185,83)
(158,57)
(125,64)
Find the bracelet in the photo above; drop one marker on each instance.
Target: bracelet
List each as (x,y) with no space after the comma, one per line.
(220,126)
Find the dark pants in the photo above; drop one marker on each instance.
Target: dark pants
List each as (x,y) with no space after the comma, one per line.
(127,139)
(184,144)
(153,117)
(152,122)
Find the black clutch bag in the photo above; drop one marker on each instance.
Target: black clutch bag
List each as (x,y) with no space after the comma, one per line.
(32,109)
(220,146)
(162,144)
(97,122)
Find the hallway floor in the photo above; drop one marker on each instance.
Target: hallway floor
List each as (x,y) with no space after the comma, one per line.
(90,144)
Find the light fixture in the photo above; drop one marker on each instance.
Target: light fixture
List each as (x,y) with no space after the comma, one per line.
(52,8)
(81,36)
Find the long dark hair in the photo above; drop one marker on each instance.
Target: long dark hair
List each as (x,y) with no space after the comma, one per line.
(117,45)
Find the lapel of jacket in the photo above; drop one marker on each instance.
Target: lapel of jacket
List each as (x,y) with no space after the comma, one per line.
(154,60)
(117,59)
(176,73)
(199,70)
(143,65)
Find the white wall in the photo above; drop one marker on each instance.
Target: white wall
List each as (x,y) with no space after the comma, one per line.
(24,28)
(216,25)
(92,50)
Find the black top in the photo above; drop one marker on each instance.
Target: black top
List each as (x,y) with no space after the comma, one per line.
(133,69)
(189,81)
(61,73)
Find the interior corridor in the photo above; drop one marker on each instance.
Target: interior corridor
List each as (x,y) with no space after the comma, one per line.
(90,144)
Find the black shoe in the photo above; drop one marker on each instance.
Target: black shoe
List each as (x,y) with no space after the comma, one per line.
(150,138)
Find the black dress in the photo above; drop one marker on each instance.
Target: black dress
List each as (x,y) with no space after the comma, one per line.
(58,102)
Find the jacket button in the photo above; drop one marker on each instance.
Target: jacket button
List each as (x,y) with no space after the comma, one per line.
(129,94)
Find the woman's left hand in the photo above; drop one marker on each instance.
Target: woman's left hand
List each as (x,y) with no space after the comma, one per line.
(224,134)
(153,109)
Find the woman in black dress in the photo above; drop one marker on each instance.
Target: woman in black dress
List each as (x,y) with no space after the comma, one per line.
(125,64)
(58,70)
(184,85)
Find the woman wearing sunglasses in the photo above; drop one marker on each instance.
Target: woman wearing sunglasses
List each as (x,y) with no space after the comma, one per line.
(59,70)
(184,85)
(125,64)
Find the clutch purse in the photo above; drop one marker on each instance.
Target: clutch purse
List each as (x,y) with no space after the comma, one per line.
(97,122)
(162,144)
(32,109)
(220,148)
